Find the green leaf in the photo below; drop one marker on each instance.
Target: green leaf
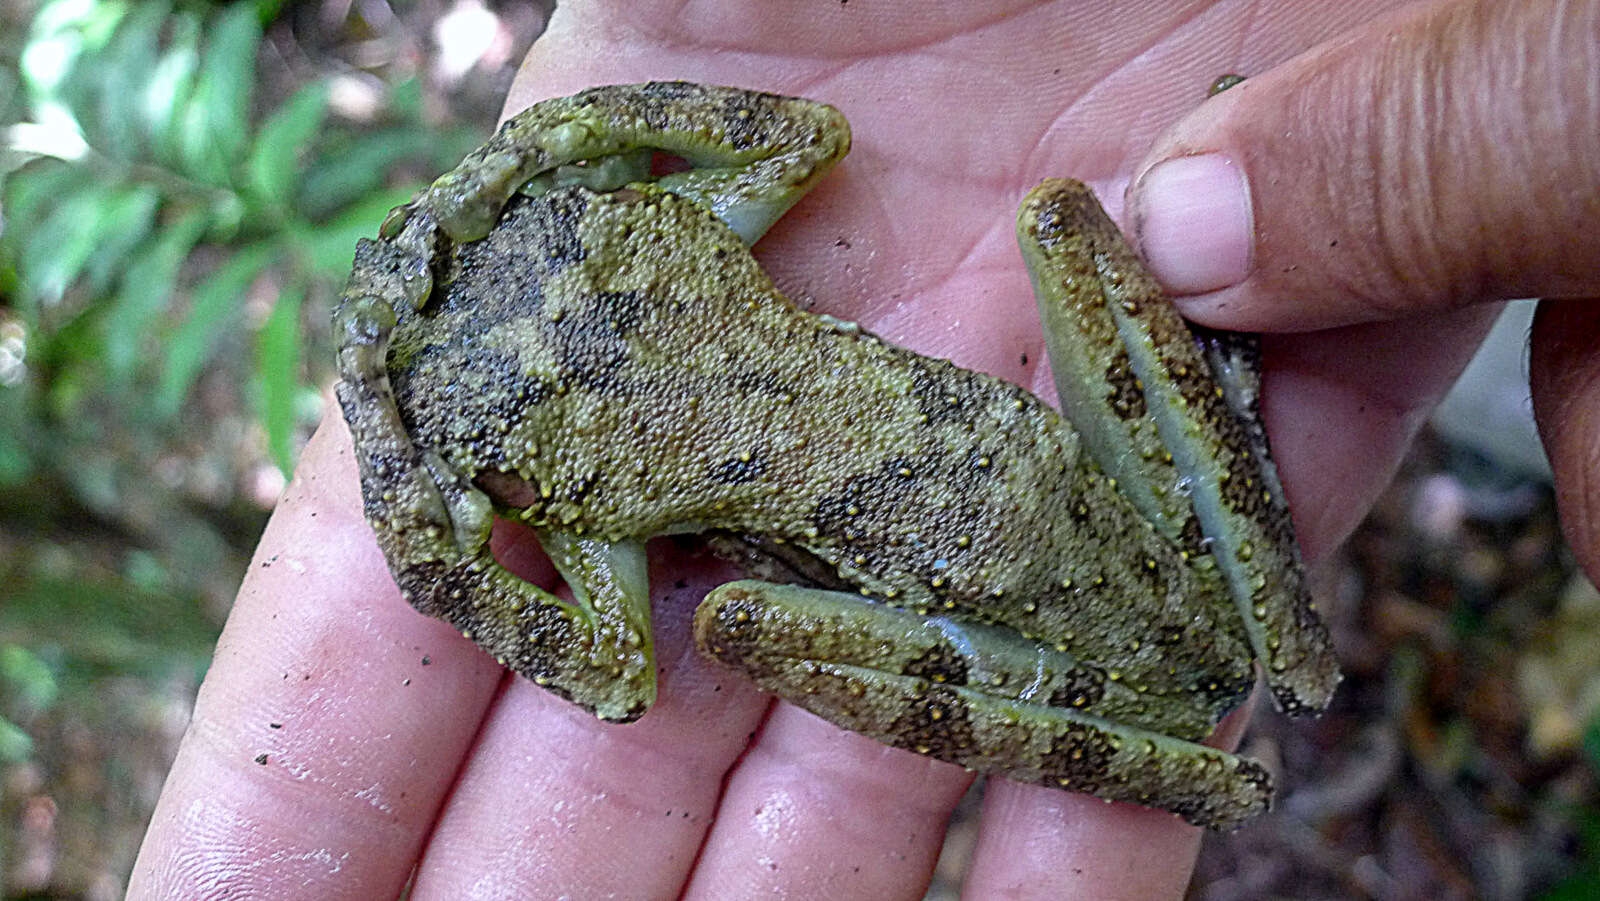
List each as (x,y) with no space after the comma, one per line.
(55,42)
(15,745)
(97,625)
(125,67)
(230,76)
(213,309)
(124,224)
(33,190)
(274,161)
(68,58)
(92,226)
(145,291)
(346,171)
(1591,743)
(31,194)
(56,249)
(405,98)
(216,120)
(76,351)
(27,678)
(1583,887)
(165,97)
(16,434)
(331,247)
(278,374)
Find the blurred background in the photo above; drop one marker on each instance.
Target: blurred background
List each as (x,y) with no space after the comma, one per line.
(181,188)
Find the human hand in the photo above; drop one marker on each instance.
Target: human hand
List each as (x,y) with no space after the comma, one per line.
(386,742)
(1373,197)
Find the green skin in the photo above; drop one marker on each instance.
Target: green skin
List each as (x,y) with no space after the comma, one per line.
(941,561)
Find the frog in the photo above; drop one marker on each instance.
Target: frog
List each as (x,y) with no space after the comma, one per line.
(569,330)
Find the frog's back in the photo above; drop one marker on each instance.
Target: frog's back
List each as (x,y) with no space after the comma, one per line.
(624,356)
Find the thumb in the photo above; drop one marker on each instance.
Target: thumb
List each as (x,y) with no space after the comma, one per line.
(1564,375)
(1439,155)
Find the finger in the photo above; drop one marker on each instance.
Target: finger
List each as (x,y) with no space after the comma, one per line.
(330,724)
(815,812)
(1564,371)
(1343,404)
(555,803)
(1117,851)
(1440,155)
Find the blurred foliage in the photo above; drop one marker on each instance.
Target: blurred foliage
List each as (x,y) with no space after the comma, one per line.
(175,223)
(167,259)
(180,193)
(1583,885)
(27,685)
(154,226)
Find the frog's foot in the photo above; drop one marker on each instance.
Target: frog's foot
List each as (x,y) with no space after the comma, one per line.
(433,526)
(1176,426)
(977,696)
(753,154)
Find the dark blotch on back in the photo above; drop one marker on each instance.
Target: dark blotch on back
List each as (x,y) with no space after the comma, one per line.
(745,122)
(672,90)
(536,237)
(935,724)
(944,393)
(1125,397)
(1193,538)
(939,664)
(655,102)
(1225,694)
(449,418)
(735,471)
(1082,686)
(1081,755)
(864,514)
(500,280)
(738,628)
(485,289)
(591,342)
(1205,809)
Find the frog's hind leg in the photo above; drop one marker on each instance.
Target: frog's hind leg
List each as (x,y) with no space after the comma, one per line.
(752,154)
(433,526)
(1174,425)
(977,696)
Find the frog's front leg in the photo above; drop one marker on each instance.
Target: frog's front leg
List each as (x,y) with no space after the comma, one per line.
(979,696)
(433,526)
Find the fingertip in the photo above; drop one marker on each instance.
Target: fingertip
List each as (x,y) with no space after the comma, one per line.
(814,811)
(1044,843)
(1564,375)
(1395,169)
(1194,223)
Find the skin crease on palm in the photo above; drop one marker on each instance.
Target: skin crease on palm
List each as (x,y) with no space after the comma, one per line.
(342,739)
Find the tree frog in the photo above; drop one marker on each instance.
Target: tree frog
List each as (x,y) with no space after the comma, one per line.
(565,332)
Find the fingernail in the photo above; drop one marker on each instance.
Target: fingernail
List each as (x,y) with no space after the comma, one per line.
(1195,224)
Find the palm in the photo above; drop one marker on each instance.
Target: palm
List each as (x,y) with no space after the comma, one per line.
(956,113)
(912,236)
